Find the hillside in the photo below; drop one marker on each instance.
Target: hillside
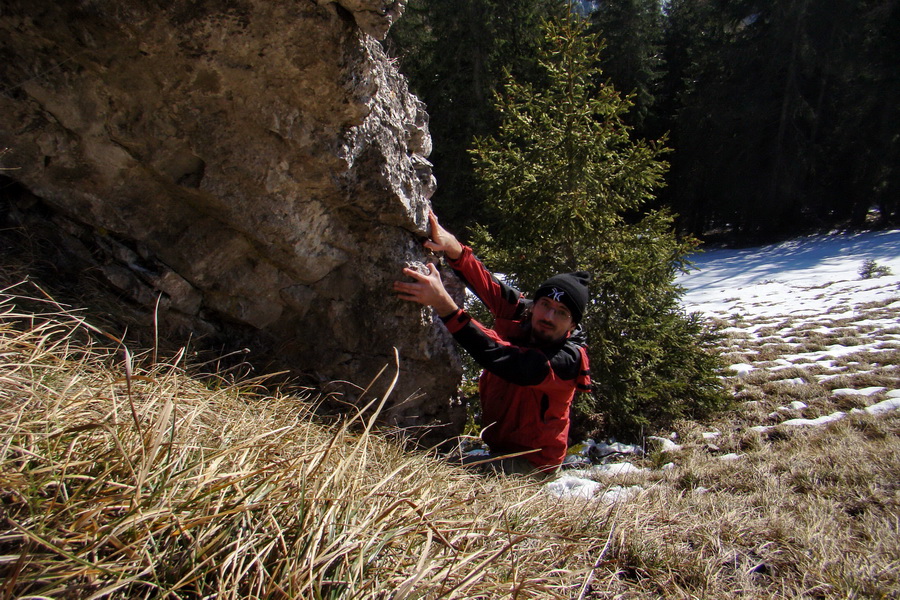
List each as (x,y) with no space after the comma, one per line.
(126,474)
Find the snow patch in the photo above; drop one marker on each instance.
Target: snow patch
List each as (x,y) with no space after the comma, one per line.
(869,391)
(885,406)
(664,444)
(578,488)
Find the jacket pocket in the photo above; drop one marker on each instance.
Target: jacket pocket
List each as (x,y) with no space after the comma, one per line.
(545,406)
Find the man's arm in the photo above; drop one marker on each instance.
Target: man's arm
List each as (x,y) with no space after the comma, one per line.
(522,366)
(502,300)
(516,364)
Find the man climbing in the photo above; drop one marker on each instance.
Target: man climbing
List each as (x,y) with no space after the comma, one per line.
(533,357)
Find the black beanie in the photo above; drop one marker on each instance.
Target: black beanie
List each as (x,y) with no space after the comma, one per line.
(569,288)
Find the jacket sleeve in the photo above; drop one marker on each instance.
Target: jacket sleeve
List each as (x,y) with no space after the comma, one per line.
(516,364)
(501,299)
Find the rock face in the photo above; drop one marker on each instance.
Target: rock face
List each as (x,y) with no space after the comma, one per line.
(256,167)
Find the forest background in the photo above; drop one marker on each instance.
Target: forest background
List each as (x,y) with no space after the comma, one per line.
(783,116)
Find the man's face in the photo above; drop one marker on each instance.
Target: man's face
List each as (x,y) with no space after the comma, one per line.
(551,321)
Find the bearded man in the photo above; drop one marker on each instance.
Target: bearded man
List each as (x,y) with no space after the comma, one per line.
(534,356)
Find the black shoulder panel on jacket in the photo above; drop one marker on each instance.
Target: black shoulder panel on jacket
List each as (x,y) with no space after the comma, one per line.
(566,362)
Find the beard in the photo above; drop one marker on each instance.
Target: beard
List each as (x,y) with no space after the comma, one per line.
(544,336)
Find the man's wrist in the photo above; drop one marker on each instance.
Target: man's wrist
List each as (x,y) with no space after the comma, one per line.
(446,308)
(451,316)
(456,251)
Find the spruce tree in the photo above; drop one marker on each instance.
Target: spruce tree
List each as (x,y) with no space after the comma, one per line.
(455,53)
(566,184)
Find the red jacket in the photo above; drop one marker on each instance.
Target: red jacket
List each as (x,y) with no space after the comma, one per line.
(526,389)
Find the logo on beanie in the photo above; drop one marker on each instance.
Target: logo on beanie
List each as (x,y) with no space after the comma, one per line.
(556,295)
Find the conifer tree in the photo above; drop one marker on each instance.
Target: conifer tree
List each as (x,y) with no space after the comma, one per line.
(454,53)
(565,184)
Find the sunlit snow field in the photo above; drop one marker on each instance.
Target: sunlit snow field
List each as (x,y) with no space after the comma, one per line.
(817,278)
(808,285)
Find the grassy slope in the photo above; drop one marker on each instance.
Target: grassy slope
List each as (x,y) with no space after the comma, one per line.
(120,477)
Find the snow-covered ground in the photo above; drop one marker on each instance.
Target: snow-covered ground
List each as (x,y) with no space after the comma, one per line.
(813,277)
(782,294)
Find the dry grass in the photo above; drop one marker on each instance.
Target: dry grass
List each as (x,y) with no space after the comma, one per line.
(122,480)
(792,518)
(128,477)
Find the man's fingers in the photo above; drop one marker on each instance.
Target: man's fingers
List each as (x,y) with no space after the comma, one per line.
(436,232)
(407,291)
(436,229)
(422,277)
(414,274)
(407,286)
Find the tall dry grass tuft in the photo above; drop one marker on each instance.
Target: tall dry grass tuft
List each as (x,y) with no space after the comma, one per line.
(122,477)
